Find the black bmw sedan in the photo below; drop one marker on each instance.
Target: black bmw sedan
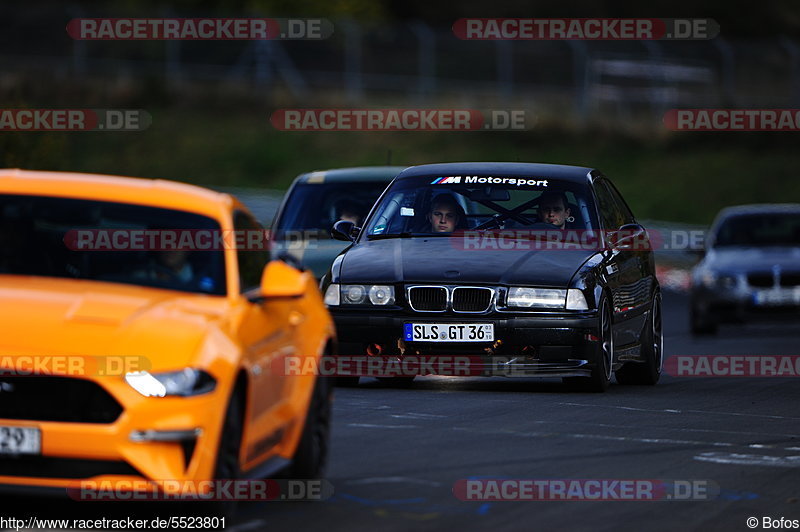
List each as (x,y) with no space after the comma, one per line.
(513,269)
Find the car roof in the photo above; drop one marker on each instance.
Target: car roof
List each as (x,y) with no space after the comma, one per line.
(759,208)
(383,174)
(152,192)
(576,174)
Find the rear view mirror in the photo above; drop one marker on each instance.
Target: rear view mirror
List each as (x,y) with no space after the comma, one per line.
(344,230)
(282,280)
(631,236)
(490,194)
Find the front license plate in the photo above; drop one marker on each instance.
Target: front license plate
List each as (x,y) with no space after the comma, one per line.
(449,332)
(777,297)
(20,440)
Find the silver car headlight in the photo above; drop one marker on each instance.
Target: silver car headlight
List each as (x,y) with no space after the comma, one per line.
(709,279)
(184,383)
(359,294)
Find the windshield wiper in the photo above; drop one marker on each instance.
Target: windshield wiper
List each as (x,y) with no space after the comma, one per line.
(404,234)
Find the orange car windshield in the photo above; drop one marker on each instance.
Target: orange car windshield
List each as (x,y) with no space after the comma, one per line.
(112,242)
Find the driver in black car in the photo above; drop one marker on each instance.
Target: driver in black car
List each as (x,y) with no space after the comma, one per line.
(446,215)
(554,209)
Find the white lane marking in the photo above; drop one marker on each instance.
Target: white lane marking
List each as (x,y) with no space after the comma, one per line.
(376,426)
(598,437)
(749,459)
(250,525)
(676,429)
(681,411)
(621,438)
(395,480)
(414,415)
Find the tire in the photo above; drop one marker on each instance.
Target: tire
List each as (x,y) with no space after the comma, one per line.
(701,323)
(397,382)
(649,371)
(311,457)
(227,461)
(600,378)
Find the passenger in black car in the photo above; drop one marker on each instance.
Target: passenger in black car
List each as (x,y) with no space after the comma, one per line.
(554,209)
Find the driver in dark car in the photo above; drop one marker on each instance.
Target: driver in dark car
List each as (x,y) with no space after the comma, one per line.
(446,215)
(554,209)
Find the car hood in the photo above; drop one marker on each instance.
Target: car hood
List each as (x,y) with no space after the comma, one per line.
(441,260)
(736,260)
(45,316)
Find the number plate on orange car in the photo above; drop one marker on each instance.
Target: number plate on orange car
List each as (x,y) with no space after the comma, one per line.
(20,440)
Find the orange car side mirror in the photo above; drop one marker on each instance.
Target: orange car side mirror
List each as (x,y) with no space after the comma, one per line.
(281,280)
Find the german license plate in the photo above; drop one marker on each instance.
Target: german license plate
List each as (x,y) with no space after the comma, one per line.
(449,332)
(777,297)
(20,440)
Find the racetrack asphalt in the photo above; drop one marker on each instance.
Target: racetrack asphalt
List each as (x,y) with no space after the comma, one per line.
(397,453)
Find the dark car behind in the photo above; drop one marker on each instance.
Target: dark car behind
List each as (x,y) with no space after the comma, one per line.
(313,203)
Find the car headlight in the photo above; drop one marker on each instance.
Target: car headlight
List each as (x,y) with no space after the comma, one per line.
(381,295)
(536,297)
(576,300)
(709,279)
(332,295)
(184,383)
(359,294)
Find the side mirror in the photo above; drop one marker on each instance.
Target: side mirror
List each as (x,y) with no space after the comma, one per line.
(344,230)
(282,280)
(631,236)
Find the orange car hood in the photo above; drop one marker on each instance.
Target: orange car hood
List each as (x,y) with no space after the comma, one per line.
(161,329)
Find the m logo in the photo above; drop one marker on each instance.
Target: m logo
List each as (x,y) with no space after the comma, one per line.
(446,180)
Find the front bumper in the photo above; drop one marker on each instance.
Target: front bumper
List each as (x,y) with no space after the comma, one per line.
(554,345)
(153,439)
(744,305)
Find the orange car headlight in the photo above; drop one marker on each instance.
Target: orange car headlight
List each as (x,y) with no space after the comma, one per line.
(185,383)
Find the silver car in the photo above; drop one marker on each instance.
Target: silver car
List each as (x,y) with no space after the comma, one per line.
(751,267)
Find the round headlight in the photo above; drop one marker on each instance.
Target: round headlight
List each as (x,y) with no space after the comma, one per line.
(355,294)
(381,295)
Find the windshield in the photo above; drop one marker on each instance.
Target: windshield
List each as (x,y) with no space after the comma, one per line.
(759,230)
(315,208)
(38,237)
(444,204)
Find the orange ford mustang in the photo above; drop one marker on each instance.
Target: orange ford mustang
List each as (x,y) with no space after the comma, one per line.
(142,323)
